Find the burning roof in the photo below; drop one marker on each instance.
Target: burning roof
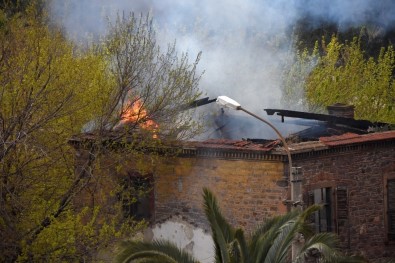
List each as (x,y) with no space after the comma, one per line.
(248,144)
(324,131)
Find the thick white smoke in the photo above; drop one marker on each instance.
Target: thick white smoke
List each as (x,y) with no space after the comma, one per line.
(244,42)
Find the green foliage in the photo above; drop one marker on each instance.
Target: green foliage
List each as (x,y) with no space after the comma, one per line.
(162,82)
(271,242)
(11,7)
(343,73)
(49,90)
(157,251)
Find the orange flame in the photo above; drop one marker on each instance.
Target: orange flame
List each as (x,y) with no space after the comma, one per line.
(135,112)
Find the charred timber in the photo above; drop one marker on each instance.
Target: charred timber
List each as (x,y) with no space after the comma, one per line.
(350,122)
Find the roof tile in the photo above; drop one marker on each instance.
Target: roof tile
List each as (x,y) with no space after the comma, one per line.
(352,138)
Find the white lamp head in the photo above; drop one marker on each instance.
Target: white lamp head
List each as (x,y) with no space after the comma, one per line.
(228,102)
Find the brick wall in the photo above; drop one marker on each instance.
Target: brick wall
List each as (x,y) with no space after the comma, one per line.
(247,191)
(361,169)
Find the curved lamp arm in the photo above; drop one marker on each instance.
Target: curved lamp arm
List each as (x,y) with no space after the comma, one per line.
(232,104)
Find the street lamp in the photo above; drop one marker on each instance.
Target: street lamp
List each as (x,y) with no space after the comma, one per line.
(232,104)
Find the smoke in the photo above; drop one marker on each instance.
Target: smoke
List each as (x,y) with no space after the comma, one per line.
(244,42)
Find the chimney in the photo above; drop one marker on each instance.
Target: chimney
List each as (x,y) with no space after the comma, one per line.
(341,110)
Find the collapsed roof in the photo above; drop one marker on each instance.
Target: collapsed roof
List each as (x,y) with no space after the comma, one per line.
(321,125)
(323,131)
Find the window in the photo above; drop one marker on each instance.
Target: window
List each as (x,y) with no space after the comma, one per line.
(136,196)
(322,219)
(333,217)
(390,203)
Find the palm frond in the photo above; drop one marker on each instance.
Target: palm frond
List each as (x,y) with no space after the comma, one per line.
(220,244)
(309,211)
(214,214)
(271,223)
(283,242)
(270,243)
(238,248)
(156,251)
(297,227)
(324,247)
(223,232)
(264,237)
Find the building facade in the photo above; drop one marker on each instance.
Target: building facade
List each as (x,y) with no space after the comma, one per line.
(351,175)
(354,177)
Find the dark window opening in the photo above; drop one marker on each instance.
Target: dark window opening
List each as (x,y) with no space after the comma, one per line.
(136,196)
(333,217)
(341,216)
(391,209)
(322,219)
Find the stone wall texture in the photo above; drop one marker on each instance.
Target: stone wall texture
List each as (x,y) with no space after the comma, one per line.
(247,191)
(362,170)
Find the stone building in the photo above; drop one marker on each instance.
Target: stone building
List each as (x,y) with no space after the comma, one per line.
(352,175)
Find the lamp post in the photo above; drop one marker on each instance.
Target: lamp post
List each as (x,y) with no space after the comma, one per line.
(232,104)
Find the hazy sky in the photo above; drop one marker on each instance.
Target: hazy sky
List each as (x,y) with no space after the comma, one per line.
(244,42)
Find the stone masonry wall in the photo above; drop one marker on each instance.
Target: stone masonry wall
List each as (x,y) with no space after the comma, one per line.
(246,190)
(362,170)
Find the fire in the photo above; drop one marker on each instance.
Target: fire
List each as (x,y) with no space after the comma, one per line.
(135,113)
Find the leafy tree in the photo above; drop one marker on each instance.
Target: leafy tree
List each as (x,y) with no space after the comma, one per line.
(159,83)
(49,90)
(343,73)
(271,242)
(11,7)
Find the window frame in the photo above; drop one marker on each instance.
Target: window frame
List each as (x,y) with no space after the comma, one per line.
(338,209)
(388,240)
(327,210)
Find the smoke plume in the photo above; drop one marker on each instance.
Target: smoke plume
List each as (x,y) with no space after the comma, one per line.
(244,42)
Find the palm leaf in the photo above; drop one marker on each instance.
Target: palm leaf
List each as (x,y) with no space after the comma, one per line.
(238,248)
(297,227)
(282,243)
(272,223)
(270,243)
(288,227)
(264,237)
(222,231)
(326,244)
(156,251)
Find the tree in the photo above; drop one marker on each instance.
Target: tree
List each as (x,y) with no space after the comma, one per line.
(49,90)
(343,73)
(155,85)
(270,242)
